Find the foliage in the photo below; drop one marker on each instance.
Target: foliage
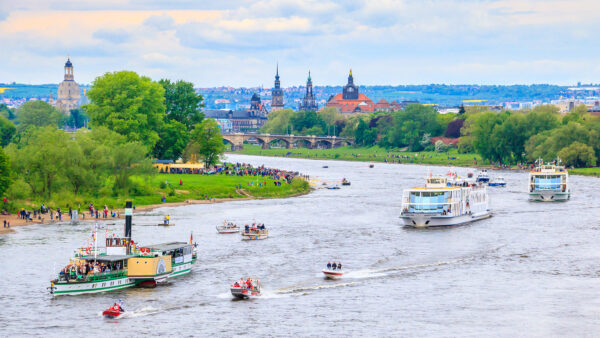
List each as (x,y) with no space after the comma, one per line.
(410,125)
(182,102)
(453,128)
(578,155)
(129,104)
(37,114)
(77,119)
(278,122)
(304,121)
(51,161)
(440,146)
(5,172)
(548,144)
(174,137)
(209,141)
(6,112)
(7,131)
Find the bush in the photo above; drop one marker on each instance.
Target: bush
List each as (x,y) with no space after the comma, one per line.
(163,185)
(440,147)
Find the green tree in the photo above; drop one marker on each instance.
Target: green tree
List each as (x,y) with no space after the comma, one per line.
(7,131)
(279,122)
(209,141)
(578,155)
(38,114)
(129,104)
(174,137)
(182,102)
(304,120)
(6,112)
(5,172)
(77,119)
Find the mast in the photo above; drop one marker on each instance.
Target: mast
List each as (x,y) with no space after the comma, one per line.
(128,216)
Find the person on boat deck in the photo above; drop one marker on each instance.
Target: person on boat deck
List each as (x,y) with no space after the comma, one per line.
(236,284)
(329,265)
(247,228)
(339,266)
(118,307)
(333,266)
(167,219)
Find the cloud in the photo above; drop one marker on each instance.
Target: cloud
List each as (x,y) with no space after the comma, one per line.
(160,22)
(116,36)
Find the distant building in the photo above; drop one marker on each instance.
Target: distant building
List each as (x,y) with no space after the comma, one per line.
(245,120)
(350,101)
(277,94)
(308,102)
(69,93)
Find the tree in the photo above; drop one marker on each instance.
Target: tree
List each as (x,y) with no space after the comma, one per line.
(77,119)
(279,122)
(129,104)
(209,141)
(440,146)
(7,131)
(182,102)
(174,137)
(453,129)
(304,120)
(5,172)
(38,114)
(6,112)
(359,133)
(578,155)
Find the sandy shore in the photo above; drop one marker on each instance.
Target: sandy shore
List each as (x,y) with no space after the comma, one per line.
(17,222)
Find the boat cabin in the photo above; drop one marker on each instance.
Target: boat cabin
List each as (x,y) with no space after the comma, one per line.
(180,252)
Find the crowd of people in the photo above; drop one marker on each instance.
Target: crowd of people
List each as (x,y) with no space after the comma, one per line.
(83,271)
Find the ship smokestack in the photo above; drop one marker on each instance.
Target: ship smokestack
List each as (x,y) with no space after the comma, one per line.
(128,215)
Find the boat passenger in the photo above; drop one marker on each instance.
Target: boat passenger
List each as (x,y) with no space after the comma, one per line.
(333,266)
(328,265)
(236,285)
(339,266)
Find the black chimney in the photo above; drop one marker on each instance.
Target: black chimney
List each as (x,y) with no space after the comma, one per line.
(128,215)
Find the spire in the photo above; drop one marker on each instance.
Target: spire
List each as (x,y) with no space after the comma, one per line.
(277,72)
(350,71)
(309,75)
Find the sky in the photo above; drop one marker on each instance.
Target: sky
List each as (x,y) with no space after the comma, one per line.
(238,43)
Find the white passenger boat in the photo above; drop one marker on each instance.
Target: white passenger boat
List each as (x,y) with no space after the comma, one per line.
(228,228)
(438,204)
(254,232)
(549,182)
(246,288)
(483,176)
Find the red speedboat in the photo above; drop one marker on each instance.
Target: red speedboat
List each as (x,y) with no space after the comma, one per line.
(333,274)
(113,312)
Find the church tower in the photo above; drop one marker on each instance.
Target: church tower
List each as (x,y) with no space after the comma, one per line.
(350,89)
(69,92)
(277,93)
(308,102)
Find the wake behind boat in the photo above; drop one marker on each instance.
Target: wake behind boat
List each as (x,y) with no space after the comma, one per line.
(438,204)
(245,289)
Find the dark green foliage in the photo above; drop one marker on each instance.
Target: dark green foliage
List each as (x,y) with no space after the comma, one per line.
(7,131)
(182,102)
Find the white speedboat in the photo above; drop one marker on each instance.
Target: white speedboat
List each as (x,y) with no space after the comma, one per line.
(246,288)
(333,274)
(228,228)
(497,182)
(440,204)
(549,182)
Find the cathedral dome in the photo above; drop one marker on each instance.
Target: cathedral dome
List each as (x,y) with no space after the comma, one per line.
(68,63)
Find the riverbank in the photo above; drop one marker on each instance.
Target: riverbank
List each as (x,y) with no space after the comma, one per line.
(372,154)
(195,189)
(595,172)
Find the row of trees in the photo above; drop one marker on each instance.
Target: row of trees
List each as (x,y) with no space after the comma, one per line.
(132,119)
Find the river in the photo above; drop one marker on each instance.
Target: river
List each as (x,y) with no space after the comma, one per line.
(530,270)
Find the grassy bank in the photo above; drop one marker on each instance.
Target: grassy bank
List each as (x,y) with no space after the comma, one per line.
(194,187)
(586,171)
(371,154)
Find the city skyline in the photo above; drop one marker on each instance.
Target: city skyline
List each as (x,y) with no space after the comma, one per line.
(238,43)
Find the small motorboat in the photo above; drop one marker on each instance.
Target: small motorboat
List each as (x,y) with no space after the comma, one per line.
(334,188)
(470,175)
(165,224)
(228,228)
(371,166)
(325,167)
(483,176)
(254,232)
(333,274)
(113,312)
(244,289)
(497,182)
(345,181)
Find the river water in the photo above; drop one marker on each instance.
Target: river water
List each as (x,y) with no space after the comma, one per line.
(531,270)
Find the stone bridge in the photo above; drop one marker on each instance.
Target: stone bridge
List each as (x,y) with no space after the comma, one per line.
(309,141)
